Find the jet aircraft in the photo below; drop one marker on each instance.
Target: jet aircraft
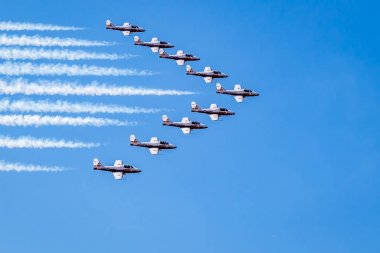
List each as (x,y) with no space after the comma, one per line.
(154,44)
(180,57)
(154,145)
(186,125)
(126,28)
(238,92)
(214,111)
(208,74)
(118,169)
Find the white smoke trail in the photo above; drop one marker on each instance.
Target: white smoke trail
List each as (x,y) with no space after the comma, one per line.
(56,54)
(30,142)
(22,68)
(38,41)
(59,106)
(38,120)
(4,166)
(23,86)
(18,26)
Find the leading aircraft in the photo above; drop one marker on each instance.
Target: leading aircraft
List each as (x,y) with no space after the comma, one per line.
(154,44)
(208,74)
(186,125)
(214,111)
(238,92)
(118,169)
(126,28)
(180,57)
(154,145)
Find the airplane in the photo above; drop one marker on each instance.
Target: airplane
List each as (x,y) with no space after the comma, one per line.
(237,92)
(126,28)
(208,74)
(118,169)
(154,145)
(214,111)
(180,57)
(186,125)
(154,44)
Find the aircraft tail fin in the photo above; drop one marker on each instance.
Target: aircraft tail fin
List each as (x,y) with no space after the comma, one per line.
(189,69)
(133,139)
(194,105)
(137,39)
(96,163)
(165,119)
(162,52)
(219,87)
(109,23)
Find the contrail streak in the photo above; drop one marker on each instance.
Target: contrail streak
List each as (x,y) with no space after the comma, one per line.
(18,26)
(30,142)
(59,106)
(41,87)
(56,54)
(38,120)
(4,166)
(22,68)
(38,41)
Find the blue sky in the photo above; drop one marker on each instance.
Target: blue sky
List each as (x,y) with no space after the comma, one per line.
(295,170)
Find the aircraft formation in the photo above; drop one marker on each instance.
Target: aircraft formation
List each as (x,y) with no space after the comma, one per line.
(155,145)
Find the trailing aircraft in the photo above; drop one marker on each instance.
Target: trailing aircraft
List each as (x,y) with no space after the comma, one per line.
(186,125)
(180,57)
(214,112)
(238,92)
(126,28)
(208,74)
(118,169)
(154,44)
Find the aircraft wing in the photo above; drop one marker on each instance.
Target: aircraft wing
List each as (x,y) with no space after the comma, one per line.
(154,40)
(213,106)
(154,49)
(207,79)
(180,52)
(239,99)
(154,151)
(117,175)
(185,130)
(207,70)
(180,62)
(237,87)
(118,163)
(214,116)
(185,120)
(126,33)
(126,24)
(154,140)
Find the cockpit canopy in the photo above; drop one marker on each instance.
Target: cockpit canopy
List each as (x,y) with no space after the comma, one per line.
(163,42)
(195,122)
(217,72)
(247,90)
(164,142)
(134,26)
(223,109)
(189,55)
(128,166)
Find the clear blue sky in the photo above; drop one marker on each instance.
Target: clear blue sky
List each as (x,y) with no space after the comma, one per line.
(295,170)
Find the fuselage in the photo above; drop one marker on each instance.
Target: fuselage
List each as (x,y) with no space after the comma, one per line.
(214,74)
(154,44)
(219,111)
(243,93)
(180,57)
(191,125)
(124,169)
(131,28)
(160,145)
